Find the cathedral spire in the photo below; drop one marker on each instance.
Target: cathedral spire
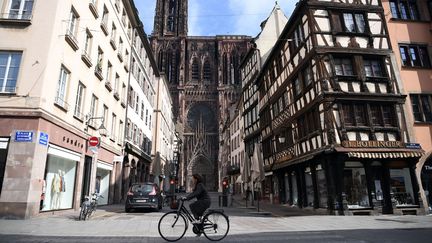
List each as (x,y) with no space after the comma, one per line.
(171,18)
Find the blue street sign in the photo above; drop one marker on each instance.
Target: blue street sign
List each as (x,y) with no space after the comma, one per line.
(413,145)
(24,136)
(43,138)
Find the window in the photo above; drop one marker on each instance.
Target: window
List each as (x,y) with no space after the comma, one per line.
(142,111)
(116,83)
(354,22)
(104,23)
(79,100)
(61,88)
(120,132)
(73,23)
(307,76)
(137,104)
(404,9)
(372,68)
(297,37)
(123,93)
(207,71)
(113,126)
(113,34)
(9,69)
(297,87)
(422,107)
(98,68)
(343,67)
(383,115)
(146,118)
(105,115)
(414,56)
(354,115)
(195,70)
(93,106)
(88,43)
(20,9)
(108,72)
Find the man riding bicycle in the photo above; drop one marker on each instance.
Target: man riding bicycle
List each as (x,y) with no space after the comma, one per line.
(200,193)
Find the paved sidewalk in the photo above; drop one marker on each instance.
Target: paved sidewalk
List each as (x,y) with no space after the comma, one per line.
(277,210)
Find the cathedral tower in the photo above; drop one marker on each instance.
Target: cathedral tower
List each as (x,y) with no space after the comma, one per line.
(204,80)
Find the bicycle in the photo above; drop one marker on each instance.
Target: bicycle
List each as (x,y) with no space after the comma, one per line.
(88,207)
(214,224)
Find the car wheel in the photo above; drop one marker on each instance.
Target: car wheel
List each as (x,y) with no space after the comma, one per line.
(128,210)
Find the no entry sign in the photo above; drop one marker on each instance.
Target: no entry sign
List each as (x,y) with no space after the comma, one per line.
(93,141)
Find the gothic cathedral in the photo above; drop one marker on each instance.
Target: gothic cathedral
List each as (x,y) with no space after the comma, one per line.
(204,81)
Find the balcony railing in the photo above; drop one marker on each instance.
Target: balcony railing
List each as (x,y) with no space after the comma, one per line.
(16,18)
(61,103)
(93,8)
(108,85)
(71,40)
(104,27)
(98,71)
(116,95)
(86,58)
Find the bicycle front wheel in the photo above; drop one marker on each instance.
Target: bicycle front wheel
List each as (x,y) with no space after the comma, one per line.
(83,212)
(215,226)
(172,226)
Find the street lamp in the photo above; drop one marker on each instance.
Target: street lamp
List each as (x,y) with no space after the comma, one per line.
(102,129)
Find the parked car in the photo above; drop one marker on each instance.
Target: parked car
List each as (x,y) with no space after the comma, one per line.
(144,195)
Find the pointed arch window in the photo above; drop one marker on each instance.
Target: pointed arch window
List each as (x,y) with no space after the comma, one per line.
(225,68)
(207,71)
(195,70)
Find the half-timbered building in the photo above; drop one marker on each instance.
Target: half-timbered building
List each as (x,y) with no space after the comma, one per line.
(331,111)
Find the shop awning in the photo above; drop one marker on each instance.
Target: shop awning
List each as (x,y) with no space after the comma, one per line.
(385,155)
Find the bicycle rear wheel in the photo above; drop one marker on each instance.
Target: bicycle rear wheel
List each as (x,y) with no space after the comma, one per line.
(172,226)
(215,226)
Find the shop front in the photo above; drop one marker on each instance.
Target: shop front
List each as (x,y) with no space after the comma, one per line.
(102,184)
(4,142)
(354,183)
(60,175)
(426,180)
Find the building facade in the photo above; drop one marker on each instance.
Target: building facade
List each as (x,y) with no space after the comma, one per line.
(409,27)
(333,132)
(64,86)
(203,79)
(143,80)
(164,134)
(250,67)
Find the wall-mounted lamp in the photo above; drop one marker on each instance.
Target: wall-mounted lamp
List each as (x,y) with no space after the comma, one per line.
(102,129)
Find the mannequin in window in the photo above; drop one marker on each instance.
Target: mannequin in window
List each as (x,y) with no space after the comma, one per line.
(97,186)
(55,190)
(62,185)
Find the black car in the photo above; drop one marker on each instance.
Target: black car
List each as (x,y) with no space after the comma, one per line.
(144,195)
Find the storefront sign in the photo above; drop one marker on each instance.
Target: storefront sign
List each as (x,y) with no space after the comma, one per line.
(372,144)
(43,138)
(413,145)
(23,136)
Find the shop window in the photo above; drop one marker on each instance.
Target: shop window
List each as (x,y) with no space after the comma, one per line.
(309,187)
(60,183)
(102,183)
(355,186)
(294,198)
(322,187)
(401,187)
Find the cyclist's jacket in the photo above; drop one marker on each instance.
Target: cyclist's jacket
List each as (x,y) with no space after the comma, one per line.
(199,192)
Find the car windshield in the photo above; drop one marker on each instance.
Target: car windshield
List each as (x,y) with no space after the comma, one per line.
(142,188)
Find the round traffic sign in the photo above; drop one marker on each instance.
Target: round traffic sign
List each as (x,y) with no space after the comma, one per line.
(93,141)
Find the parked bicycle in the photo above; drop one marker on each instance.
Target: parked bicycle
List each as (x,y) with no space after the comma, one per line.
(88,207)
(173,225)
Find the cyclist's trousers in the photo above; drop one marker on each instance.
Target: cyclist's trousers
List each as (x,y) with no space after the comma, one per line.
(198,207)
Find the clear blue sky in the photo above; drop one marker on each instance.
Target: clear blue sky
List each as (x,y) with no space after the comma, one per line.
(220,17)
